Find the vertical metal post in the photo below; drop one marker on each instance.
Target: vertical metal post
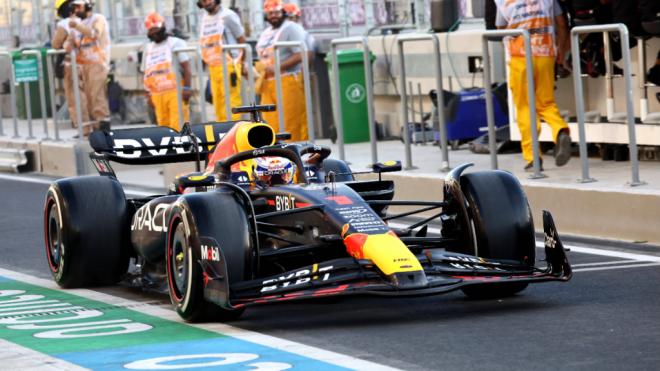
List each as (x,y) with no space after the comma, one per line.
(76,94)
(490,115)
(51,79)
(401,39)
(12,92)
(42,88)
(278,92)
(531,101)
(336,103)
(641,77)
(200,81)
(630,118)
(247,52)
(579,106)
(227,92)
(306,84)
(179,93)
(28,108)
(369,14)
(421,113)
(413,115)
(368,81)
(404,108)
(630,110)
(344,17)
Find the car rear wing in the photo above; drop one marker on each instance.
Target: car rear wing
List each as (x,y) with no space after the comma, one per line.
(157,145)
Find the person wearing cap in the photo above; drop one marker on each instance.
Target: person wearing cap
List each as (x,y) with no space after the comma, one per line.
(62,39)
(159,74)
(222,26)
(293,13)
(92,43)
(293,93)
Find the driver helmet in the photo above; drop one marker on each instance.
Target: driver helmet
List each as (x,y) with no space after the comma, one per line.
(274,170)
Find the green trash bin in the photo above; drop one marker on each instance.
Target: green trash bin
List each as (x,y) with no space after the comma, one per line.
(353,93)
(35,100)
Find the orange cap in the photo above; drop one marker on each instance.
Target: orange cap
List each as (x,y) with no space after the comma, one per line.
(273,5)
(291,9)
(154,20)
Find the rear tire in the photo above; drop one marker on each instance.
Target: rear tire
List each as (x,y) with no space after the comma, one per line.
(503,226)
(86,230)
(215,215)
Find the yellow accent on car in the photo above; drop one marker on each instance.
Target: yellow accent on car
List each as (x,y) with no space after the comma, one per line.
(390,254)
(389,163)
(196,178)
(208,130)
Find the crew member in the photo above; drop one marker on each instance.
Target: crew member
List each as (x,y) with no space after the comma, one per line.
(159,73)
(92,42)
(293,13)
(222,26)
(63,39)
(281,29)
(541,18)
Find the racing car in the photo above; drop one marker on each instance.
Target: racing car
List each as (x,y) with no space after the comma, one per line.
(267,221)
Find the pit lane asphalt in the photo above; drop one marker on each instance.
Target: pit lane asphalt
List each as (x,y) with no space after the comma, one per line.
(606,319)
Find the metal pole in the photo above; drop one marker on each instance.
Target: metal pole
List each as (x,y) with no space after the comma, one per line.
(404,107)
(336,103)
(28,108)
(12,92)
(630,118)
(413,115)
(247,51)
(42,88)
(51,79)
(579,106)
(366,60)
(200,84)
(439,88)
(227,93)
(630,110)
(200,80)
(421,112)
(368,81)
(490,115)
(179,94)
(641,73)
(344,17)
(278,92)
(76,94)
(531,101)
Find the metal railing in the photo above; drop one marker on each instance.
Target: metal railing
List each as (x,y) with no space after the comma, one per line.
(51,80)
(579,99)
(12,92)
(200,81)
(247,52)
(529,70)
(644,114)
(401,39)
(307,85)
(369,88)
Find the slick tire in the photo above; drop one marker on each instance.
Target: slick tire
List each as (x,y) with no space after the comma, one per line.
(503,226)
(340,168)
(86,230)
(210,215)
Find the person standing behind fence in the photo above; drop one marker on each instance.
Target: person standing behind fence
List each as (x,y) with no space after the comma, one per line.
(63,39)
(222,26)
(293,13)
(93,47)
(159,76)
(293,91)
(540,17)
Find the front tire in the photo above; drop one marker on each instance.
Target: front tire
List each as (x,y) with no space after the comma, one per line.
(212,215)
(86,226)
(503,227)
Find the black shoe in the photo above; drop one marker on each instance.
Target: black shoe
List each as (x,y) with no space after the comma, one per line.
(530,165)
(562,148)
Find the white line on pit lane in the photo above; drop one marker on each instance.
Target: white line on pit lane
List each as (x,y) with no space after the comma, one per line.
(319,354)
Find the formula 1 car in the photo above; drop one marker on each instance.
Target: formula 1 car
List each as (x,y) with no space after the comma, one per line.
(225,239)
